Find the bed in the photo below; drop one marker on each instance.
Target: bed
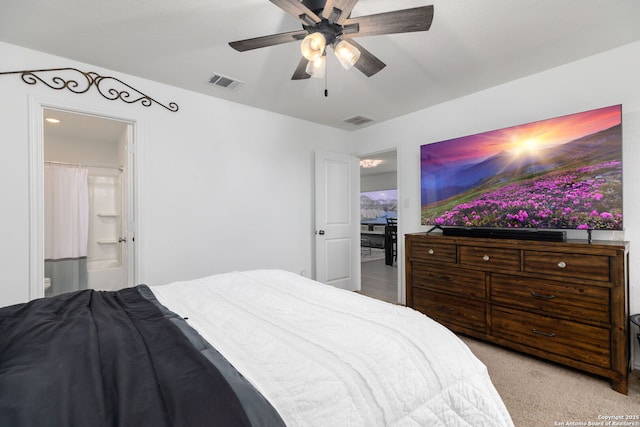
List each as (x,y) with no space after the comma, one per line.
(255,348)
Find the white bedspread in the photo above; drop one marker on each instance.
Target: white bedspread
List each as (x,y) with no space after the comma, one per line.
(328,357)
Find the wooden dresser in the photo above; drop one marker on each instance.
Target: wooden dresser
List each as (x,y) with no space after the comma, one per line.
(561,301)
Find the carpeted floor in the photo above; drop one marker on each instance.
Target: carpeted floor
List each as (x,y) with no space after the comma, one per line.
(541,394)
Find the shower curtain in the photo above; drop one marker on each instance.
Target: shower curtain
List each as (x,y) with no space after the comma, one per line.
(66,227)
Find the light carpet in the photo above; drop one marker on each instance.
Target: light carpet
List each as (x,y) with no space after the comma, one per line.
(538,393)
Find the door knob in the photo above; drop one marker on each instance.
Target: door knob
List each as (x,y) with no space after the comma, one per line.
(321,232)
(122,240)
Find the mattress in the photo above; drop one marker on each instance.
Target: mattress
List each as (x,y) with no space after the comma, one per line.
(328,357)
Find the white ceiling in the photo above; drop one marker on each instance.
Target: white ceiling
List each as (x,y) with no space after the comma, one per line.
(77,126)
(389,163)
(472,45)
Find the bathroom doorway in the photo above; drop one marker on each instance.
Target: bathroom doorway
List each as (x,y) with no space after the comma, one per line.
(88,193)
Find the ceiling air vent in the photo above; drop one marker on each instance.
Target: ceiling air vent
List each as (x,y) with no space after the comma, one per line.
(358,120)
(224,81)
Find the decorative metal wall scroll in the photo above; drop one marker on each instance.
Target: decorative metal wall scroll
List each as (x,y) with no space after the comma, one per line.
(110,88)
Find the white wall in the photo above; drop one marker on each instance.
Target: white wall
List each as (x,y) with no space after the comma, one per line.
(379,181)
(606,79)
(223,186)
(85,151)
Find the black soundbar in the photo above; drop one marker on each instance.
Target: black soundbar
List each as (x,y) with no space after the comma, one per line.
(507,233)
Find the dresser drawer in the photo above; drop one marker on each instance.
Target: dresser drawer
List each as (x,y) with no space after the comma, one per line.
(591,267)
(434,252)
(490,258)
(435,277)
(589,344)
(581,302)
(455,313)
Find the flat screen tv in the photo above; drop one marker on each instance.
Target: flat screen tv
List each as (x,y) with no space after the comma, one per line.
(376,206)
(561,173)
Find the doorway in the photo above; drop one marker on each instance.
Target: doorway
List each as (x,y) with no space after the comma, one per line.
(98,152)
(378,205)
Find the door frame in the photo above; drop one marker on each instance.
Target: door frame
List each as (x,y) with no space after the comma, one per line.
(36,183)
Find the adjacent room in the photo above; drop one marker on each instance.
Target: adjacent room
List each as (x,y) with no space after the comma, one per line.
(379,226)
(320,212)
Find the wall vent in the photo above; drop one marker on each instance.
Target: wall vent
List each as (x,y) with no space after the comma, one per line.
(224,81)
(358,120)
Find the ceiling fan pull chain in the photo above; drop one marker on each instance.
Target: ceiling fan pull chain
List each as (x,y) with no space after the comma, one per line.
(326,78)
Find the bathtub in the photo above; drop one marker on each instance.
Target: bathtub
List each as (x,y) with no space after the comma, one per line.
(105,275)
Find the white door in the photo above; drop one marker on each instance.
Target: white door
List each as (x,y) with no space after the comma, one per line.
(337,184)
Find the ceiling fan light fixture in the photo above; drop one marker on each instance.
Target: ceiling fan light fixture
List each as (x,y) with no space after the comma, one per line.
(347,54)
(313,45)
(317,68)
(370,163)
(326,22)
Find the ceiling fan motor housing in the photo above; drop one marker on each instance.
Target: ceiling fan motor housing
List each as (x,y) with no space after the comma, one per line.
(331,32)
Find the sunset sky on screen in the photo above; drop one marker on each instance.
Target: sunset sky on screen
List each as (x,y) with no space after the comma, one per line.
(532,136)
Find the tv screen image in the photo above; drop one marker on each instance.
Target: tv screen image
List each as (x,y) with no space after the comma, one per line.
(560,173)
(376,206)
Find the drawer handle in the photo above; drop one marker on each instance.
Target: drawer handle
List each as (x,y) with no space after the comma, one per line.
(546,334)
(485,258)
(562,264)
(537,295)
(443,308)
(431,252)
(436,276)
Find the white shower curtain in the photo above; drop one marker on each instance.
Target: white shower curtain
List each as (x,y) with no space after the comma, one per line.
(66,226)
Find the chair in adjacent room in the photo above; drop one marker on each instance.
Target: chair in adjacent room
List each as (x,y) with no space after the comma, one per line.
(391,241)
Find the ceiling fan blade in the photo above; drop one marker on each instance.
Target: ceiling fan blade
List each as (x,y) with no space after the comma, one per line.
(343,6)
(399,21)
(300,73)
(368,63)
(298,10)
(274,39)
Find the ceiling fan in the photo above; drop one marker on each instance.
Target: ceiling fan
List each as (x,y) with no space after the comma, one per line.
(328,23)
